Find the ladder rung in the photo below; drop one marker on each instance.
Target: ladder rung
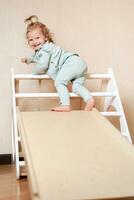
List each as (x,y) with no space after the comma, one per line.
(53,95)
(118,114)
(30,76)
(23,174)
(19,95)
(44,76)
(21,155)
(98,76)
(103,94)
(22,163)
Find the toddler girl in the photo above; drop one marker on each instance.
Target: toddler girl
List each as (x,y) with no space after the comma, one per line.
(61,65)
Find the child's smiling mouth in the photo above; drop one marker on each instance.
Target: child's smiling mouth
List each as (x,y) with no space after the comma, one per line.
(37,45)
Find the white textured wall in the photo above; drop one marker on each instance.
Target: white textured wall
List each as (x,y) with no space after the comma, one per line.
(101,31)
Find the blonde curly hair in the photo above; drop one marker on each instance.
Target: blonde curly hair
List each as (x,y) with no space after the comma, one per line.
(33,23)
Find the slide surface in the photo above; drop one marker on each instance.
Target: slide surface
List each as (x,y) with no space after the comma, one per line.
(76,155)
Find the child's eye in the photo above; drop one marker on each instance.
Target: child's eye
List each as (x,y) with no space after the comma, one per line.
(37,38)
(30,40)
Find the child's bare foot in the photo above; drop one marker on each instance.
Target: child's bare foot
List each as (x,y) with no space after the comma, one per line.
(90,104)
(62,109)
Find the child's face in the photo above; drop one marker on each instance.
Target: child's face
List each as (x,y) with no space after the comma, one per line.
(35,39)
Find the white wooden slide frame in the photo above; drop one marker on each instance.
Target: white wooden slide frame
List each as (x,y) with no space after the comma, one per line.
(111,98)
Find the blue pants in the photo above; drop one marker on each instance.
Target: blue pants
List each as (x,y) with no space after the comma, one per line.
(74,70)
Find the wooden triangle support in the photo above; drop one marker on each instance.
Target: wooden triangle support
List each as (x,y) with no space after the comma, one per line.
(79,150)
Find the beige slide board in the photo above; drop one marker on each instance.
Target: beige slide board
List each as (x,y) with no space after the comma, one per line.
(76,155)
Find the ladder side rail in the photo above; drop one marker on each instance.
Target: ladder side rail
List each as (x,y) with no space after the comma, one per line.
(15,147)
(108,86)
(12,140)
(13,134)
(118,105)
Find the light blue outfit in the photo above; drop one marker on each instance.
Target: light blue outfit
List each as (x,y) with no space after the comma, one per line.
(63,67)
